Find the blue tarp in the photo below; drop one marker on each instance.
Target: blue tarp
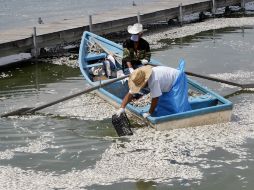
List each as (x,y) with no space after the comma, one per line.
(176,100)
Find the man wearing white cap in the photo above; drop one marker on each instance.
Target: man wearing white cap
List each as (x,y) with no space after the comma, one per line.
(168,89)
(136,50)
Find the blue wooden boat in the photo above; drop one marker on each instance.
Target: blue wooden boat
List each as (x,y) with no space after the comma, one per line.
(207,106)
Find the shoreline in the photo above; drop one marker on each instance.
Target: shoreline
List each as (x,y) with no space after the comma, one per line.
(178,32)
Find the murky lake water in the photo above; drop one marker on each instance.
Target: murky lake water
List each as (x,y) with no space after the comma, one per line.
(60,152)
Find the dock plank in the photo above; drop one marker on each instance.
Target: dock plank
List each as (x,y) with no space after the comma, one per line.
(20,33)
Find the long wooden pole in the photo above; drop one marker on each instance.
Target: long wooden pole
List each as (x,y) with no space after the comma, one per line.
(215,79)
(24,111)
(35,52)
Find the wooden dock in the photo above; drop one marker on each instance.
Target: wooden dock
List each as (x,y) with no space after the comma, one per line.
(21,40)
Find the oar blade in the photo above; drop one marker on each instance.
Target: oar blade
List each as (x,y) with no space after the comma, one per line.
(20,111)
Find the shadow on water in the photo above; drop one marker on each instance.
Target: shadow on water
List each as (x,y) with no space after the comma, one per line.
(139,185)
(239,92)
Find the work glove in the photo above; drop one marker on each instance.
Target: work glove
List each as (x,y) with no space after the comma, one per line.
(123,80)
(120,111)
(144,61)
(131,70)
(112,59)
(146,114)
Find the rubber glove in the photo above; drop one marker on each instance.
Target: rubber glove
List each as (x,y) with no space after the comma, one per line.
(120,111)
(131,70)
(123,80)
(145,115)
(144,61)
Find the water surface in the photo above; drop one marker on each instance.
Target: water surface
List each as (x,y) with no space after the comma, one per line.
(47,151)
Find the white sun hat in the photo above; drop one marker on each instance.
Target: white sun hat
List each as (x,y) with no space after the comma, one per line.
(135,29)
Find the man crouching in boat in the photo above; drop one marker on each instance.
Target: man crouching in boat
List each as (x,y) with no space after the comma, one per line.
(168,89)
(136,50)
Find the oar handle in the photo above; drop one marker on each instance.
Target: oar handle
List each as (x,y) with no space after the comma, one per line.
(214,79)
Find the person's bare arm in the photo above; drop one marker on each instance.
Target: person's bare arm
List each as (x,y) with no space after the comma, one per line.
(153,104)
(128,97)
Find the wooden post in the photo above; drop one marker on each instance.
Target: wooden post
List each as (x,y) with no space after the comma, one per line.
(34,51)
(213,36)
(243,4)
(90,23)
(180,18)
(138,17)
(213,7)
(242,31)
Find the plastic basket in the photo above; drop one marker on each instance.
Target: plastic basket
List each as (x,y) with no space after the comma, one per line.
(122,125)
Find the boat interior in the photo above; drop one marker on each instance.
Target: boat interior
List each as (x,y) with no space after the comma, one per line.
(198,97)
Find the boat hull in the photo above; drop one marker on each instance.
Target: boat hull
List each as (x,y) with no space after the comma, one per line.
(198,120)
(207,108)
(192,121)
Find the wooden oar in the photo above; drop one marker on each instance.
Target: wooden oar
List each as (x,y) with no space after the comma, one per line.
(251,85)
(220,80)
(31,110)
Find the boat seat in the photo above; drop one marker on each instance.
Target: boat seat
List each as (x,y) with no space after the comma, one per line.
(203,101)
(94,65)
(95,56)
